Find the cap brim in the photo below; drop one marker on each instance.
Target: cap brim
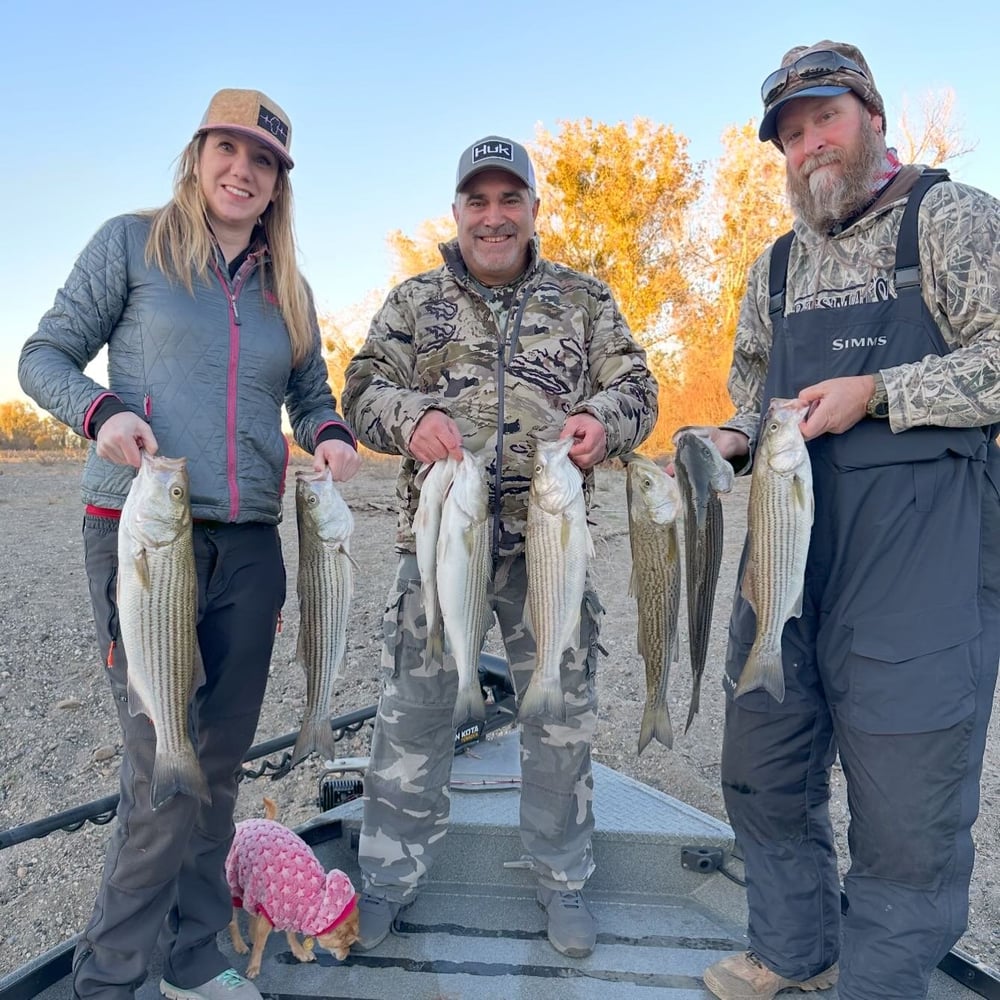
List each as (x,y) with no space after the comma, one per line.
(769,126)
(483,167)
(251,133)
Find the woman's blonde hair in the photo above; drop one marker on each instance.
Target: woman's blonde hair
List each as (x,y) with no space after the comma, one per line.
(180,244)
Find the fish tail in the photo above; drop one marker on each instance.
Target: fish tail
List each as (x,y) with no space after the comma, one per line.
(435,643)
(177,773)
(763,669)
(470,705)
(317,735)
(543,698)
(695,703)
(656,725)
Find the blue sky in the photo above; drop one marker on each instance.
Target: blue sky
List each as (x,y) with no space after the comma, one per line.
(100,98)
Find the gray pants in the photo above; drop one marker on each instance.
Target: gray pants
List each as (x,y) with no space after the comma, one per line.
(164,876)
(910,724)
(406,803)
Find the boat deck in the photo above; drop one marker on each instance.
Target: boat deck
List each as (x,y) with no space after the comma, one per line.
(476,931)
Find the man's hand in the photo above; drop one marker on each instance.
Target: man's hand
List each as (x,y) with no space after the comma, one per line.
(836,405)
(591,445)
(436,436)
(122,437)
(339,457)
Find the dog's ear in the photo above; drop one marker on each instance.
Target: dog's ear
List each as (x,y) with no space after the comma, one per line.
(339,895)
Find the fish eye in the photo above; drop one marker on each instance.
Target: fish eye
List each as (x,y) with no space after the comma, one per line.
(312,500)
(177,492)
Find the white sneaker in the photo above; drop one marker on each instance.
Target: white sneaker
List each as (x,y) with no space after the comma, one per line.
(228,985)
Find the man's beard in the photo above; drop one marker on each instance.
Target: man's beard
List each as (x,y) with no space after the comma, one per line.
(820,198)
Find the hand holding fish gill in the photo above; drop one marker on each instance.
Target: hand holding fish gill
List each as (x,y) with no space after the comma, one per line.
(590,444)
(341,458)
(436,436)
(123,438)
(732,445)
(835,405)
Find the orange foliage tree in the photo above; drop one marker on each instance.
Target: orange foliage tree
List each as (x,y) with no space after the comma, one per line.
(614,203)
(742,214)
(625,203)
(23,428)
(418,253)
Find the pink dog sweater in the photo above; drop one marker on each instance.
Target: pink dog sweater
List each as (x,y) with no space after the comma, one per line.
(272,870)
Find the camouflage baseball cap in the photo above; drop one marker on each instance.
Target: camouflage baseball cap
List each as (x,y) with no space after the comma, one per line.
(254,114)
(495,153)
(821,70)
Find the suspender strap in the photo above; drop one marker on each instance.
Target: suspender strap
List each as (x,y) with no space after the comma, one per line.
(777,275)
(907,248)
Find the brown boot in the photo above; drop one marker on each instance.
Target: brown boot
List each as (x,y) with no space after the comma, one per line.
(746,977)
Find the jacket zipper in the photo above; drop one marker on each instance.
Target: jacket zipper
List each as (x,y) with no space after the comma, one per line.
(506,345)
(232,291)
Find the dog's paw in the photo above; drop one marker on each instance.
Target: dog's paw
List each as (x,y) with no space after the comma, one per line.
(302,950)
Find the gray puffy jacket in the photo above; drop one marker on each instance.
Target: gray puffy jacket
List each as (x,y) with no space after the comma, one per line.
(209,372)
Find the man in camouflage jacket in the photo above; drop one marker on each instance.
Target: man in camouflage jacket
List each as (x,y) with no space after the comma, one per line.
(494,351)
(880,312)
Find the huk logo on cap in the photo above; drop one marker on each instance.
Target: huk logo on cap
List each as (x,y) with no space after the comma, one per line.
(271,123)
(493,151)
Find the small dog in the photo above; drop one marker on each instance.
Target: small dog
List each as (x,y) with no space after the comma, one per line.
(274,875)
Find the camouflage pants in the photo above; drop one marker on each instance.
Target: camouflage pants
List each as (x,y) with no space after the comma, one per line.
(407,802)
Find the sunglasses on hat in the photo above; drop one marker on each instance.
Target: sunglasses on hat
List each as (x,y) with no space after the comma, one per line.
(813,64)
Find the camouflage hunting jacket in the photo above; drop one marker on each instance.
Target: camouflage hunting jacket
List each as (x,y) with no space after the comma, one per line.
(564,348)
(959,242)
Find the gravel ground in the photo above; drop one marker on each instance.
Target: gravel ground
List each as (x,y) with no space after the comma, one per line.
(59,741)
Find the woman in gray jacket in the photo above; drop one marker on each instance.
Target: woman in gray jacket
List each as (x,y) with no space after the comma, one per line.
(210,330)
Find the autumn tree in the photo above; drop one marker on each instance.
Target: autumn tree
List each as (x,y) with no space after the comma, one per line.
(20,425)
(742,213)
(418,253)
(614,204)
(342,334)
(625,203)
(614,200)
(22,428)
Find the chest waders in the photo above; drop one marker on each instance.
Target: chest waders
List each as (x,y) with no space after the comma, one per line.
(892,665)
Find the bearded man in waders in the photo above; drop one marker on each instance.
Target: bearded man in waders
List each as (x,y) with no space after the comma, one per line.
(881,312)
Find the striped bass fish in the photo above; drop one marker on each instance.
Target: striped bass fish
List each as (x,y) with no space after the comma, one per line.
(653,511)
(157,613)
(325,587)
(702,474)
(558,548)
(426,527)
(464,567)
(779,523)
